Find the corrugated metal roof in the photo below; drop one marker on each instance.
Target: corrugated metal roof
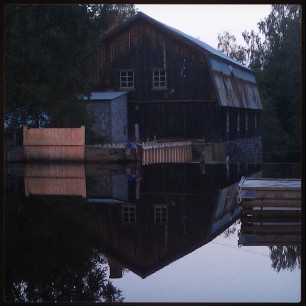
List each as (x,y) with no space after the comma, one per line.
(104,95)
(228,69)
(235,92)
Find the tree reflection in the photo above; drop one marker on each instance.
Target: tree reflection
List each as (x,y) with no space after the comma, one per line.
(51,253)
(285,257)
(232,229)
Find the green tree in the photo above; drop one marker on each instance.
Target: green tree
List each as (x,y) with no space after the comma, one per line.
(107,16)
(275,55)
(285,257)
(50,61)
(281,81)
(227,44)
(46,64)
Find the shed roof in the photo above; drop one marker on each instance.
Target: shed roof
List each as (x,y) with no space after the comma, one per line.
(104,95)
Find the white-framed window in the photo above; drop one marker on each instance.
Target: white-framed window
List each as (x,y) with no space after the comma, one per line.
(127,78)
(246,121)
(159,78)
(238,121)
(227,122)
(160,214)
(128,214)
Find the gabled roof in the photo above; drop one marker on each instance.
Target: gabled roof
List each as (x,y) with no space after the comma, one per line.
(185,36)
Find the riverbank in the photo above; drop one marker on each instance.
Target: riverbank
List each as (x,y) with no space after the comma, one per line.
(94,154)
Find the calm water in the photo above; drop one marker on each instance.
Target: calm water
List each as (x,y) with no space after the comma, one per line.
(154,233)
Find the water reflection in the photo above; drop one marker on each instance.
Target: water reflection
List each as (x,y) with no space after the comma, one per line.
(70,229)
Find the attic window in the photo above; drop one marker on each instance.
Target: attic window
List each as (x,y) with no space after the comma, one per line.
(159,78)
(127,79)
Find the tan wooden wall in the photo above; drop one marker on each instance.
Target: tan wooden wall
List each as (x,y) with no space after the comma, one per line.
(54,143)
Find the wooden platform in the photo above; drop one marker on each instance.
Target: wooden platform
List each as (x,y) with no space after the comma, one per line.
(266,192)
(271,211)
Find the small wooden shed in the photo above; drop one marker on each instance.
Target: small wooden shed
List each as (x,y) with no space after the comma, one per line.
(110,111)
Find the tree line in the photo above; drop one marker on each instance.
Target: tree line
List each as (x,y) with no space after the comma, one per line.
(50,63)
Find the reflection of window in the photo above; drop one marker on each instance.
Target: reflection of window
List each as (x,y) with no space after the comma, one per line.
(227,122)
(255,123)
(128,214)
(246,121)
(159,78)
(127,79)
(160,214)
(238,121)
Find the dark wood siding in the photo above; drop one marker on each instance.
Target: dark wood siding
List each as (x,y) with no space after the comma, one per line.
(143,48)
(173,120)
(233,132)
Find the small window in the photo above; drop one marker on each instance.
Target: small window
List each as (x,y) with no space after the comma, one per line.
(160,214)
(128,214)
(159,78)
(127,79)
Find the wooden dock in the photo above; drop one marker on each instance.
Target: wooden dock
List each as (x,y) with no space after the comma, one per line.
(266,192)
(271,211)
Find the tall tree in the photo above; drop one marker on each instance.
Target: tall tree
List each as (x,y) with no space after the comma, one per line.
(49,60)
(227,44)
(281,81)
(275,55)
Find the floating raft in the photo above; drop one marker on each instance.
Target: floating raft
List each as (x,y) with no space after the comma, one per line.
(266,192)
(271,211)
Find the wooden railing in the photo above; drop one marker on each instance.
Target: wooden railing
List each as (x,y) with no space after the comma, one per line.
(164,152)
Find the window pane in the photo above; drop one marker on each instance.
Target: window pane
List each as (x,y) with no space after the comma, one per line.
(159,78)
(127,79)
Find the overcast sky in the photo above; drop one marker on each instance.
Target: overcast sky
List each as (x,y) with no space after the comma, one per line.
(205,21)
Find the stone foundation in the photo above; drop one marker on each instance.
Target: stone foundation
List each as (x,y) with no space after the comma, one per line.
(240,150)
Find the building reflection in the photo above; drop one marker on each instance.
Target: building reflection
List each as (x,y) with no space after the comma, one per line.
(147,217)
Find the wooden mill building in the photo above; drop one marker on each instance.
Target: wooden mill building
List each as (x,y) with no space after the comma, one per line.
(178,86)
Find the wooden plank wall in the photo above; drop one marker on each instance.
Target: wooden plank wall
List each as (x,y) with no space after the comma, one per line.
(54,143)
